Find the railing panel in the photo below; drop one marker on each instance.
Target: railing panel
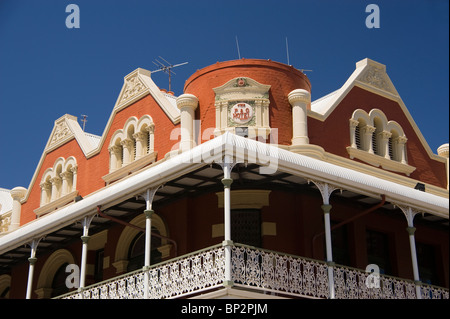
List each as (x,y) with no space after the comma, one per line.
(271,271)
(257,269)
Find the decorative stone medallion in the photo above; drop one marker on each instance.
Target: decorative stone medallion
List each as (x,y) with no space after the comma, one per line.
(241,113)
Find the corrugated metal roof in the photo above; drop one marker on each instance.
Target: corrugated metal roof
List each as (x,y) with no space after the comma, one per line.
(5,201)
(241,149)
(93,139)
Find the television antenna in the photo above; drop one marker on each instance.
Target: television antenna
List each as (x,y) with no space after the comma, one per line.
(166,67)
(84,120)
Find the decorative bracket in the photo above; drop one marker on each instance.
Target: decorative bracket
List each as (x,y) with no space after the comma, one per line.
(325,190)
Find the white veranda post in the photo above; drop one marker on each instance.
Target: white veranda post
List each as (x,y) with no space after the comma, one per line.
(227,243)
(149,195)
(85,239)
(409,214)
(326,190)
(32,260)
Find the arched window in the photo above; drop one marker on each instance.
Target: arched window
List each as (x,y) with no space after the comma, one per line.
(373,133)
(131,147)
(59,180)
(59,286)
(136,254)
(377,141)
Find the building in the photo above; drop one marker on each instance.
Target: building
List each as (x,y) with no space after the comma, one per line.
(240,187)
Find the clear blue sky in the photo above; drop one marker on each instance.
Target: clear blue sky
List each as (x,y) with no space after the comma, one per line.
(48,70)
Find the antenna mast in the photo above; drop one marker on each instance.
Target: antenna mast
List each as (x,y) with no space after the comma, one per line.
(237,45)
(84,120)
(287,51)
(166,68)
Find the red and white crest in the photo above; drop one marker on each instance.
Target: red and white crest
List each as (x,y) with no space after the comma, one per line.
(241,113)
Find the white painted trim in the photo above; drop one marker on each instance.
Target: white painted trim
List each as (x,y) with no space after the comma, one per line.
(213,151)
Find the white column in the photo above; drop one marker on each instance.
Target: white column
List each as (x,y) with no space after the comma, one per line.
(151,138)
(326,190)
(409,214)
(187,103)
(45,189)
(32,260)
(401,140)
(115,158)
(141,144)
(384,143)
(66,182)
(17,194)
(74,170)
(149,195)
(85,239)
(353,125)
(56,183)
(148,244)
(227,243)
(299,99)
(128,145)
(368,131)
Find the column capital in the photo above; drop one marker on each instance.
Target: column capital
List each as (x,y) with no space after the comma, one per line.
(148,213)
(227,182)
(18,193)
(115,149)
(140,136)
(66,175)
(45,185)
(326,208)
(128,143)
(187,100)
(411,230)
(401,139)
(385,135)
(443,150)
(85,239)
(299,96)
(368,129)
(353,122)
(56,180)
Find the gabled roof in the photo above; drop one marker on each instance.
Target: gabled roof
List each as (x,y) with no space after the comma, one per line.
(66,128)
(371,76)
(136,85)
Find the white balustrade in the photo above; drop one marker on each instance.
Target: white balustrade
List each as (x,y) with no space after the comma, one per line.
(255,269)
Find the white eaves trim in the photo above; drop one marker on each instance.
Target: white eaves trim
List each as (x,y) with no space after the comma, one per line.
(240,149)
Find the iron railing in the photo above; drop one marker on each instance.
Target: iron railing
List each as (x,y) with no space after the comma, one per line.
(258,270)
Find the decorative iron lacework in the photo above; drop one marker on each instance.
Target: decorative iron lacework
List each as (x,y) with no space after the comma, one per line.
(256,269)
(281,273)
(183,276)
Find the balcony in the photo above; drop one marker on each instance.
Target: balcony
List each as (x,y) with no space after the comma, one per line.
(253,269)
